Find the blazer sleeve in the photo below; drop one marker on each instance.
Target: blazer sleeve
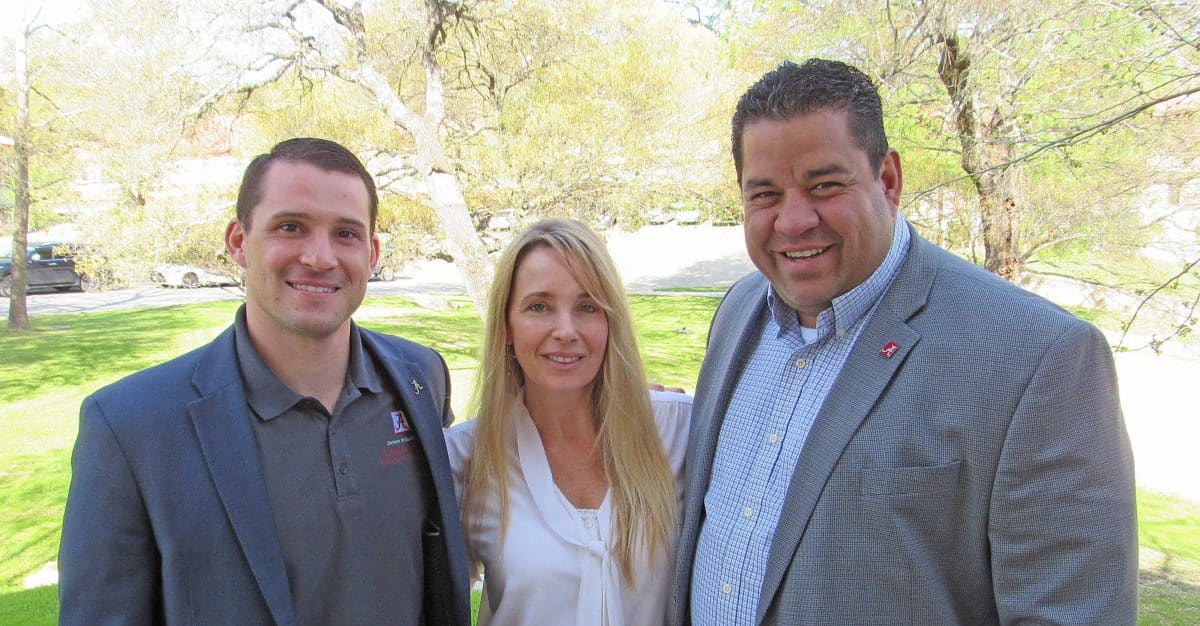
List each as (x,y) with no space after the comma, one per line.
(108,561)
(1063,524)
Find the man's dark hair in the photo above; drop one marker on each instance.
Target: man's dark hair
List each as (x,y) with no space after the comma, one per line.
(791,90)
(323,153)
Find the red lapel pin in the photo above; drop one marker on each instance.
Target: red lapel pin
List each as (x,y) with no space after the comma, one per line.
(889,349)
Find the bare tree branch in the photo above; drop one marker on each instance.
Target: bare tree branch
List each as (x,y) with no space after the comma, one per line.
(1188,319)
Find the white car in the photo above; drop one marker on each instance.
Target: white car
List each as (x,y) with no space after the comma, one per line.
(188,276)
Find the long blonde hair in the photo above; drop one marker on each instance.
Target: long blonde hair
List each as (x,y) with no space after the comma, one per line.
(641,485)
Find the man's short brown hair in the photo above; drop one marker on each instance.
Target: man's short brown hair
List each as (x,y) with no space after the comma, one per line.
(323,153)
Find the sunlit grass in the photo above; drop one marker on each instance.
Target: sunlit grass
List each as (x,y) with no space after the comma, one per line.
(701,290)
(45,374)
(1169,540)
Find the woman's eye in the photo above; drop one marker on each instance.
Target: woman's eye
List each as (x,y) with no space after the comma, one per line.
(537,307)
(589,308)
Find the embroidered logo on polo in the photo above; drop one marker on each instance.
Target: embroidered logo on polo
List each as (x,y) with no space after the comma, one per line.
(399,422)
(395,451)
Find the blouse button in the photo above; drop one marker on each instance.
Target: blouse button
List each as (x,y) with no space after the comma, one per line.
(728,588)
(587,522)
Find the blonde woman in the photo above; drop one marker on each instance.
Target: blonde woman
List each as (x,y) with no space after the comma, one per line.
(570,477)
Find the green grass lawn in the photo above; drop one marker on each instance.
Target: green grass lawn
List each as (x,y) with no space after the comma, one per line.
(44,374)
(710,290)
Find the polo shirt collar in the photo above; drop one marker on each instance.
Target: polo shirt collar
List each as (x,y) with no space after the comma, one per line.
(268,396)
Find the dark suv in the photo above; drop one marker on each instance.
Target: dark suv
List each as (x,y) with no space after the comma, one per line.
(50,265)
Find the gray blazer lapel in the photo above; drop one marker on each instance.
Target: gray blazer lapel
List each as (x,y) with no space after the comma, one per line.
(222,421)
(862,380)
(865,376)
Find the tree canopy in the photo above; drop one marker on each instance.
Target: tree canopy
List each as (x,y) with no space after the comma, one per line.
(1030,132)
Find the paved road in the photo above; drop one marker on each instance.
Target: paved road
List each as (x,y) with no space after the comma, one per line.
(437,280)
(76,302)
(431,277)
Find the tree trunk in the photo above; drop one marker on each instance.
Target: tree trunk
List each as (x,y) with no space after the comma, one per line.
(18,312)
(463,242)
(999,235)
(445,192)
(997,211)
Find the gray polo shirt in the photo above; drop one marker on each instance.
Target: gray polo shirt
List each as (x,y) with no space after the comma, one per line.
(349,491)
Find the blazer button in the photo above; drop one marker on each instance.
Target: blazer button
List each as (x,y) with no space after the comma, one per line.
(344,469)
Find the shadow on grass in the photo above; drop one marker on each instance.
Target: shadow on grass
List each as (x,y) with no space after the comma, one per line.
(1169,525)
(1164,600)
(1169,538)
(70,350)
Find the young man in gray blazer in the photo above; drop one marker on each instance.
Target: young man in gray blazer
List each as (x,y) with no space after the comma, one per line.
(293,471)
(884,433)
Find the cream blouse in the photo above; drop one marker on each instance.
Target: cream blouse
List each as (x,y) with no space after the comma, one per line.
(555,565)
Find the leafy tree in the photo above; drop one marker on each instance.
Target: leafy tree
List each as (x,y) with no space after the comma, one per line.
(625,124)
(1028,123)
(108,105)
(470,107)
(396,58)
(40,63)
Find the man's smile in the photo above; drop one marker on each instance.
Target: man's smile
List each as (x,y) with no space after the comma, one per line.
(804,254)
(312,288)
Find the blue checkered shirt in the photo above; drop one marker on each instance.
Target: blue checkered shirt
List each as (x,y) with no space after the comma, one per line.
(776,399)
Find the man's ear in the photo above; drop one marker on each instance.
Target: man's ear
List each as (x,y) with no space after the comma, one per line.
(375,247)
(892,177)
(235,239)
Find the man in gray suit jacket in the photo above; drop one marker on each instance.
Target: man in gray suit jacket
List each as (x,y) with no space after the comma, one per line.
(293,471)
(884,433)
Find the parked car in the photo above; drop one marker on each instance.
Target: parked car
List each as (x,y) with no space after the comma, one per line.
(188,277)
(50,266)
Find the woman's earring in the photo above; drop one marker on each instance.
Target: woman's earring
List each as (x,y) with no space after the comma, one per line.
(509,353)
